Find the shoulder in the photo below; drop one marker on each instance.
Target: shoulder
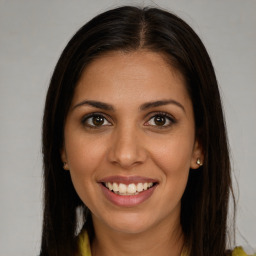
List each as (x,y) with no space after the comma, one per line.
(238,251)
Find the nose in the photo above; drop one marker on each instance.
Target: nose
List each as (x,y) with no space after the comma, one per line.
(127,148)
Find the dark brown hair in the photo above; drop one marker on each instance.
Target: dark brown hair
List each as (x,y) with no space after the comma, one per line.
(205,201)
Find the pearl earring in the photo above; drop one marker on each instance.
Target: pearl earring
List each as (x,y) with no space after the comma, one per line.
(198,161)
(65,166)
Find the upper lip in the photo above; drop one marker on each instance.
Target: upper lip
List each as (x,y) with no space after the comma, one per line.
(127,179)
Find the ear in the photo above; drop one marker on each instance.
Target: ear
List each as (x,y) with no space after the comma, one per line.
(64,159)
(197,158)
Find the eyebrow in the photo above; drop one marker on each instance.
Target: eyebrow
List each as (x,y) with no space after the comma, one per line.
(158,103)
(96,104)
(145,106)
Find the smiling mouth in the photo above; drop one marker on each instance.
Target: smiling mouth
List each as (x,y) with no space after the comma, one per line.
(129,189)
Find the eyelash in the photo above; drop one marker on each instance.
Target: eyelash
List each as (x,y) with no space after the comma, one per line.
(92,115)
(164,115)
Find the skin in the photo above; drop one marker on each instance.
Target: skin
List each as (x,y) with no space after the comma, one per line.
(131,143)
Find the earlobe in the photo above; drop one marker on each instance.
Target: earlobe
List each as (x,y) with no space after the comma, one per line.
(65,166)
(197,159)
(64,159)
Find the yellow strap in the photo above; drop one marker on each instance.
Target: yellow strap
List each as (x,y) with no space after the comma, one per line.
(238,251)
(184,253)
(84,244)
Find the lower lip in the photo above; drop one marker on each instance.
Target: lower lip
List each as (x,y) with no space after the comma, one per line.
(127,201)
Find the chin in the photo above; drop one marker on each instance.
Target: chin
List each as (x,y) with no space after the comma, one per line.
(131,224)
(130,229)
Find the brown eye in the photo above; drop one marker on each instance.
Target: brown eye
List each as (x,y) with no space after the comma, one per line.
(98,120)
(95,121)
(161,120)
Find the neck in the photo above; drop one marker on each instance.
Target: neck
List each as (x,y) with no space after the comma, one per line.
(163,239)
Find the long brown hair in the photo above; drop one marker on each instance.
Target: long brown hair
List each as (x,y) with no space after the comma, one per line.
(204,204)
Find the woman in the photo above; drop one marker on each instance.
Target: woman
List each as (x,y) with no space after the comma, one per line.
(134,142)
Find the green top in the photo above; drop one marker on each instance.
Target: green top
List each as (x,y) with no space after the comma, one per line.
(84,247)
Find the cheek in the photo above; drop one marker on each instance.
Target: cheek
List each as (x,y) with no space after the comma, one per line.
(174,161)
(174,155)
(84,154)
(84,157)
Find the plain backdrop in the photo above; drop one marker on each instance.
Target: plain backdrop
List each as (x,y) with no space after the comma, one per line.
(32,36)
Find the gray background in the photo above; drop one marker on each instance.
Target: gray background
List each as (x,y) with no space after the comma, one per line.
(32,36)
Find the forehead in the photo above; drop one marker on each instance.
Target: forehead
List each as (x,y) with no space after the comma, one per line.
(129,63)
(122,76)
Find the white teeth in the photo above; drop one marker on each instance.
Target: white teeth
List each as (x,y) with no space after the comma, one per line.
(140,187)
(130,189)
(110,186)
(122,188)
(115,187)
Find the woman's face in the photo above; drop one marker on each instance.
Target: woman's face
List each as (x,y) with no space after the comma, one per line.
(130,141)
